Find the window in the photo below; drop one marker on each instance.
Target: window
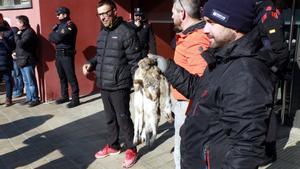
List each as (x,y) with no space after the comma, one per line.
(15,4)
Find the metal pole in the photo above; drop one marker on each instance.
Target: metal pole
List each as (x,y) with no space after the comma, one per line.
(294,58)
(292,25)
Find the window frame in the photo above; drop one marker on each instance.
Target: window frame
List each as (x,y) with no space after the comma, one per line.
(11,7)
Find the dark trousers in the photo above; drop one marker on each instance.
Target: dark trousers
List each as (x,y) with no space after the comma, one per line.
(66,72)
(5,75)
(117,116)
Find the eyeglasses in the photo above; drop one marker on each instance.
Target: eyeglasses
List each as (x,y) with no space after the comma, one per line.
(181,5)
(105,14)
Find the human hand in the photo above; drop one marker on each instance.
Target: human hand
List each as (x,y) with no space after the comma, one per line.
(137,23)
(86,68)
(162,62)
(14,55)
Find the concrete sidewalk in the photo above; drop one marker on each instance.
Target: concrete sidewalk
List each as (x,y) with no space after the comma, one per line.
(50,136)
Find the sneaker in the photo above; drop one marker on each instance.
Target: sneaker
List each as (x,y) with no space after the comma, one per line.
(73,103)
(62,100)
(130,158)
(34,103)
(107,151)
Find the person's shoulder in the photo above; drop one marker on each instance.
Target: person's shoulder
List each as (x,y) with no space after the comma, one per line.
(71,24)
(127,27)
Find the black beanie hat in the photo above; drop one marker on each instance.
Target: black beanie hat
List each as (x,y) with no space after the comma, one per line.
(234,14)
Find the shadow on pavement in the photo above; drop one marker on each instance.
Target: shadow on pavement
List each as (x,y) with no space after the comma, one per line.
(288,158)
(21,126)
(168,130)
(73,145)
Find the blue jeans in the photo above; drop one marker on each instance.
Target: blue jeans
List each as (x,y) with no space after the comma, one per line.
(18,80)
(6,77)
(28,75)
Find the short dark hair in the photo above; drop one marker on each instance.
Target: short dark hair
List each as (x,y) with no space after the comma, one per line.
(24,19)
(107,2)
(191,7)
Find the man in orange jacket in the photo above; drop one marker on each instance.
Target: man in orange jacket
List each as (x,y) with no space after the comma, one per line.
(190,43)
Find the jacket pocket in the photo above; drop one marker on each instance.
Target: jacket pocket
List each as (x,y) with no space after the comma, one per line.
(122,73)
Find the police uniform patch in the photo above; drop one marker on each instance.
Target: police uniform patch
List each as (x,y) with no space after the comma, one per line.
(271,31)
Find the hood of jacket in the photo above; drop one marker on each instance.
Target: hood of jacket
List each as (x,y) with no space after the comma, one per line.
(246,46)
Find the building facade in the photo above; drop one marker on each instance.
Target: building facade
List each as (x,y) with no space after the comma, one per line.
(42,18)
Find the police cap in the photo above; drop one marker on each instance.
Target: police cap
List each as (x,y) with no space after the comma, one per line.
(138,11)
(62,10)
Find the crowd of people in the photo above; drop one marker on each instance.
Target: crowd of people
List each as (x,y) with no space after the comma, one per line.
(223,73)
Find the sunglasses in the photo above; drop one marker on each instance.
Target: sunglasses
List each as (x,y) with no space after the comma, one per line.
(105,14)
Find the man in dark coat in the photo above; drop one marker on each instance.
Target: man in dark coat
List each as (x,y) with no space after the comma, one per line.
(6,63)
(63,36)
(26,45)
(118,52)
(225,126)
(144,32)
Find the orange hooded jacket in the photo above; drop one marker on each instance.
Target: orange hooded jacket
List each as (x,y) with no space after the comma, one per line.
(189,46)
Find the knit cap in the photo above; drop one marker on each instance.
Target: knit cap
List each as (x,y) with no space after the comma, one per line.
(235,14)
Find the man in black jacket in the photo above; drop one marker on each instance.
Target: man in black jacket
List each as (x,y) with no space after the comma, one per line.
(26,44)
(225,126)
(63,36)
(6,63)
(144,32)
(115,63)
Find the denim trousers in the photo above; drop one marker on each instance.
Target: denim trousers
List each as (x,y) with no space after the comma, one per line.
(28,75)
(18,80)
(179,109)
(5,75)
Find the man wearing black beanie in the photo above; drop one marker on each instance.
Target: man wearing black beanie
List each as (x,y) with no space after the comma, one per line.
(225,125)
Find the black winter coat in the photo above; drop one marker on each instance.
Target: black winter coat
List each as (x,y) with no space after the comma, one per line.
(118,53)
(225,126)
(146,38)
(26,44)
(7,45)
(64,35)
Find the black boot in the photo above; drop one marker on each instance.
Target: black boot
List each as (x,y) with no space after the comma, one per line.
(271,154)
(62,100)
(73,103)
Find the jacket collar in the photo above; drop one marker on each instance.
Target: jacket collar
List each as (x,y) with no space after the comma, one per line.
(198,25)
(115,24)
(246,46)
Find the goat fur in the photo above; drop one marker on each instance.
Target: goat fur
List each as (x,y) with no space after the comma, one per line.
(151,98)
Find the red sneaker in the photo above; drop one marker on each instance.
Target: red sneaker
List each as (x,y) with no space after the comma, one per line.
(130,158)
(107,151)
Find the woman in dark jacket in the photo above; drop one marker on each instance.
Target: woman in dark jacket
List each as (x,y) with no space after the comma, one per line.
(6,63)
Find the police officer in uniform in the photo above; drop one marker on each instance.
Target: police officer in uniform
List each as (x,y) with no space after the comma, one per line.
(144,32)
(63,36)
